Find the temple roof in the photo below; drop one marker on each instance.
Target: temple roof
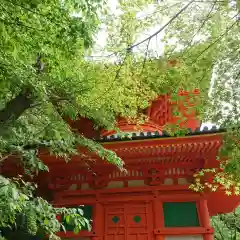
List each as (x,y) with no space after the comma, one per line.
(153,135)
(162,111)
(142,147)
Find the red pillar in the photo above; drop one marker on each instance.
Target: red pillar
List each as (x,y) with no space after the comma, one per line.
(158,216)
(98,222)
(205,219)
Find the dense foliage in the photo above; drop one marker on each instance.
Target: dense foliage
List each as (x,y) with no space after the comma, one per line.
(42,49)
(23,214)
(49,70)
(227,226)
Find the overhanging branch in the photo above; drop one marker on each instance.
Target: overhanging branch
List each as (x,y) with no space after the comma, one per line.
(15,108)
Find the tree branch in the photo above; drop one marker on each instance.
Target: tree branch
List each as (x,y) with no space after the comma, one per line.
(5,157)
(153,35)
(15,107)
(146,54)
(208,16)
(217,40)
(163,27)
(18,105)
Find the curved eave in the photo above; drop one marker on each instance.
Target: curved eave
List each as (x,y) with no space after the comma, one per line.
(219,202)
(156,135)
(129,151)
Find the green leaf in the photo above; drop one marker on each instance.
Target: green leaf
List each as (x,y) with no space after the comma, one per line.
(76,230)
(15,194)
(80,211)
(67,219)
(46,221)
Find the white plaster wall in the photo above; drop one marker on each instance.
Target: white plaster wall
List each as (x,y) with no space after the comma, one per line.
(182,181)
(168,181)
(115,184)
(85,186)
(136,183)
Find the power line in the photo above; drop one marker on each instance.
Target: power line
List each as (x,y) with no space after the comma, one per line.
(199,29)
(217,40)
(153,35)
(163,27)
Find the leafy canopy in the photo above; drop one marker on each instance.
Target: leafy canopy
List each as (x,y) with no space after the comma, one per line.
(46,76)
(42,51)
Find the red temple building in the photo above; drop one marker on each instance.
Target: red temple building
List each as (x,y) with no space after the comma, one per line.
(152,200)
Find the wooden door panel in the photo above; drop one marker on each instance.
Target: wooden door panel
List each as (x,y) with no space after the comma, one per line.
(114,237)
(129,221)
(138,237)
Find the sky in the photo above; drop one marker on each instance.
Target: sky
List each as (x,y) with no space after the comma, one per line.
(155,45)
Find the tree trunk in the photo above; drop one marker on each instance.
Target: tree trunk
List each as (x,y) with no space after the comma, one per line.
(14,109)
